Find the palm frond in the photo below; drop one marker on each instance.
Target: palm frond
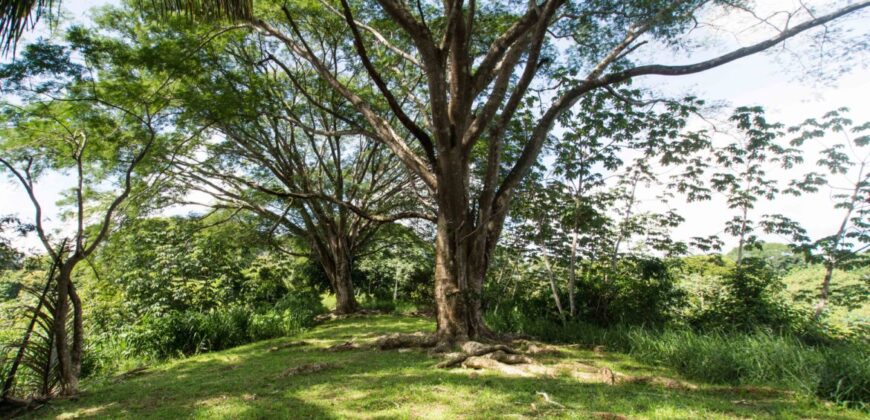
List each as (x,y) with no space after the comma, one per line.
(208,9)
(16,16)
(35,370)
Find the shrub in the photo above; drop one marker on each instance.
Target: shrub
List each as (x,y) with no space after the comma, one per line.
(750,299)
(182,333)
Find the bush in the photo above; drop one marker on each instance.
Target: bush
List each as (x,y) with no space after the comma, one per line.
(751,298)
(379,304)
(183,333)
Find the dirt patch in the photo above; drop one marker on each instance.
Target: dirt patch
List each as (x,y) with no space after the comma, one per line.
(132,373)
(291,344)
(308,368)
(346,346)
(661,381)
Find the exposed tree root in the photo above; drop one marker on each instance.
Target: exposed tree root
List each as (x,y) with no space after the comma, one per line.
(510,361)
(658,381)
(536,348)
(399,341)
(506,360)
(506,355)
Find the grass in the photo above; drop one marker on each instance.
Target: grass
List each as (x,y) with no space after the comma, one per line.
(253,382)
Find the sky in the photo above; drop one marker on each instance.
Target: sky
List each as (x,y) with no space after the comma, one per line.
(773,81)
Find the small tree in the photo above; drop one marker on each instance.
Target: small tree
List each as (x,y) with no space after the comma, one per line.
(845,174)
(743,173)
(97,123)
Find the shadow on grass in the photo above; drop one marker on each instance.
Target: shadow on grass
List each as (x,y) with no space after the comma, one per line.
(253,382)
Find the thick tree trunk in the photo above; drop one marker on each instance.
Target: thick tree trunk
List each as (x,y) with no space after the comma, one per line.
(462,255)
(343,286)
(336,261)
(458,288)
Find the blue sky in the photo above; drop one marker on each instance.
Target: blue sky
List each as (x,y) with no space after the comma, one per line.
(769,80)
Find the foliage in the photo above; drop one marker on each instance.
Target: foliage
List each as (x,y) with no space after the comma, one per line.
(750,298)
(178,333)
(635,291)
(399,267)
(781,258)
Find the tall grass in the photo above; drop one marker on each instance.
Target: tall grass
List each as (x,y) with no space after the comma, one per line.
(837,372)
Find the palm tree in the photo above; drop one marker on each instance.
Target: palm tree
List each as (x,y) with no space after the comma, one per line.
(18,16)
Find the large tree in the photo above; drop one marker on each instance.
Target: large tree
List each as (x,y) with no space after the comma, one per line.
(282,149)
(474,71)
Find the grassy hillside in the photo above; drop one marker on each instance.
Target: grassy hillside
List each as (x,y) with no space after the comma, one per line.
(271,379)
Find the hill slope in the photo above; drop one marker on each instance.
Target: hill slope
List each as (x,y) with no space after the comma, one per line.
(301,377)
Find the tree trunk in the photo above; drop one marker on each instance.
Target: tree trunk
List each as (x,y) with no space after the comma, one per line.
(458,285)
(78,331)
(742,240)
(337,263)
(572,275)
(68,376)
(462,255)
(826,289)
(343,286)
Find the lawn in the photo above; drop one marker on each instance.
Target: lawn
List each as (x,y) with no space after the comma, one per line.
(272,379)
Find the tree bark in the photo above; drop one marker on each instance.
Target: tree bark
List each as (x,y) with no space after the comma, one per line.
(345,299)
(462,254)
(68,376)
(458,288)
(826,289)
(336,261)
(78,332)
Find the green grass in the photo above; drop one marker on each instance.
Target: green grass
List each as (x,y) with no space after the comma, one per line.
(249,382)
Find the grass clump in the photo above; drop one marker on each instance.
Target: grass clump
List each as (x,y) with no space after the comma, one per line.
(838,372)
